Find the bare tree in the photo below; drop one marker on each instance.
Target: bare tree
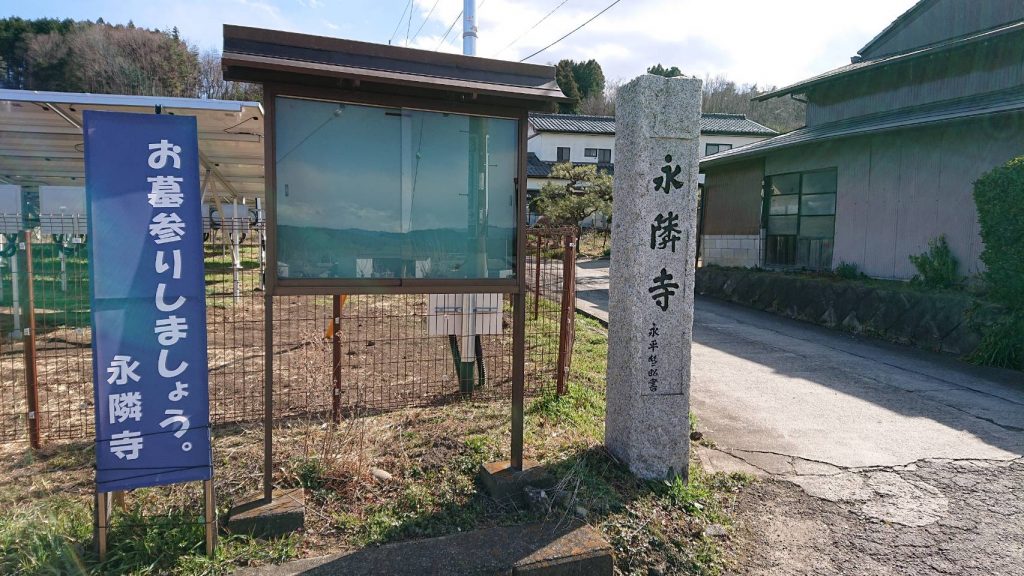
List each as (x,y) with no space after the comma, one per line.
(211,82)
(602,104)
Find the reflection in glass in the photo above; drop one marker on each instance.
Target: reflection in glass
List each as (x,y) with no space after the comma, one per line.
(782,205)
(823,182)
(785,184)
(818,204)
(368,192)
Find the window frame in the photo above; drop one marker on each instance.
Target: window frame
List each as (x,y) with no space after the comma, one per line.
(718,148)
(558,154)
(601,153)
(799,216)
(590,152)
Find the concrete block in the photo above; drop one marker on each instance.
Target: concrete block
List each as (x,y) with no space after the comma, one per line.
(544,549)
(284,514)
(581,552)
(505,484)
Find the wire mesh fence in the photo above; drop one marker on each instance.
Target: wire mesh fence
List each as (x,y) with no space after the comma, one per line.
(333,355)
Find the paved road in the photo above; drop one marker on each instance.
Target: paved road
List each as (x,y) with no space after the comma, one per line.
(854,435)
(592,288)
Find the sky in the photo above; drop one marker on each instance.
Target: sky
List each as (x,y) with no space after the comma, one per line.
(764,42)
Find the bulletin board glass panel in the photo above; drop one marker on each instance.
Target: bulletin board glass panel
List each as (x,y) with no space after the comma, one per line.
(374,192)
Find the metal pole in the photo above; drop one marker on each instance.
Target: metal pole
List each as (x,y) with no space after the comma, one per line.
(63,268)
(261,227)
(29,347)
(336,361)
(566,326)
(536,285)
(268,397)
(15,302)
(469,27)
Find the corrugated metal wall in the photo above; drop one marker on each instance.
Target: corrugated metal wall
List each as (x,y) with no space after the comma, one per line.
(732,199)
(947,19)
(984,68)
(899,190)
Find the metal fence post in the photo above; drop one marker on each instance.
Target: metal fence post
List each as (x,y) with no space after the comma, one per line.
(536,264)
(567,324)
(336,360)
(29,347)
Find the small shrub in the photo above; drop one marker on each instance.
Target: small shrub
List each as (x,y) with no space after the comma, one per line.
(999,197)
(848,271)
(1002,343)
(936,268)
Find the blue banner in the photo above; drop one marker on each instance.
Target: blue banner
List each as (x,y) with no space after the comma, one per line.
(148,300)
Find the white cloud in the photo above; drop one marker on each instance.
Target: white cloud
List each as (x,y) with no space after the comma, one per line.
(767,42)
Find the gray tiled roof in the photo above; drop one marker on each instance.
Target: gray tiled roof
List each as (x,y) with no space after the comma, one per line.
(573,123)
(710,123)
(537,168)
(715,123)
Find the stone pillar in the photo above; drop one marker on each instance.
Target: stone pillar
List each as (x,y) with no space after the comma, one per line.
(650,321)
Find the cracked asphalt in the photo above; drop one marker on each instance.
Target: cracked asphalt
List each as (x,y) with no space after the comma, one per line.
(876,459)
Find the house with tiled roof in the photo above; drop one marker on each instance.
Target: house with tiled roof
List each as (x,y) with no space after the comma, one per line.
(582,139)
(892,145)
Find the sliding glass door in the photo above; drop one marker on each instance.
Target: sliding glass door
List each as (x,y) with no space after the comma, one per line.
(799,219)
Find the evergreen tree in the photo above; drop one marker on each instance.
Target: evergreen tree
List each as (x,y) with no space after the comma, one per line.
(660,70)
(567,82)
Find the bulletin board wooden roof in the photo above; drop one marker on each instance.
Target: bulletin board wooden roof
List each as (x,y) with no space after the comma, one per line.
(272,56)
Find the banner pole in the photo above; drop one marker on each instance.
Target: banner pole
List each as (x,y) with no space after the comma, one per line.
(102,522)
(211,518)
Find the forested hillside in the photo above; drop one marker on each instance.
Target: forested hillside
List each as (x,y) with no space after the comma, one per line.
(70,56)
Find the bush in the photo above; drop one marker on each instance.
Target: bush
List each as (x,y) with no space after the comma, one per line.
(999,197)
(936,268)
(848,271)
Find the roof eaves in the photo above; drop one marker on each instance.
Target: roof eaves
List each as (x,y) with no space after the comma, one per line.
(259,55)
(899,21)
(996,103)
(84,98)
(862,66)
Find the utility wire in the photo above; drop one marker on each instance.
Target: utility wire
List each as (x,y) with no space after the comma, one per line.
(574,30)
(408,26)
(445,37)
(400,18)
(425,19)
(530,29)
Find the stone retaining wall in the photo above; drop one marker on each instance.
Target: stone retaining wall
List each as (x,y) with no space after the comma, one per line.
(938,321)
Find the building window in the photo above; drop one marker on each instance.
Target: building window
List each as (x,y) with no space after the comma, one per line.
(563,154)
(604,155)
(590,152)
(710,149)
(800,219)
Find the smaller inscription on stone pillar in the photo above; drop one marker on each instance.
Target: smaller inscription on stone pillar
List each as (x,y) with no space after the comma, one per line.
(650,318)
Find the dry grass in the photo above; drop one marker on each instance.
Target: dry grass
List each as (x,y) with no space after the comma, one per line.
(431,453)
